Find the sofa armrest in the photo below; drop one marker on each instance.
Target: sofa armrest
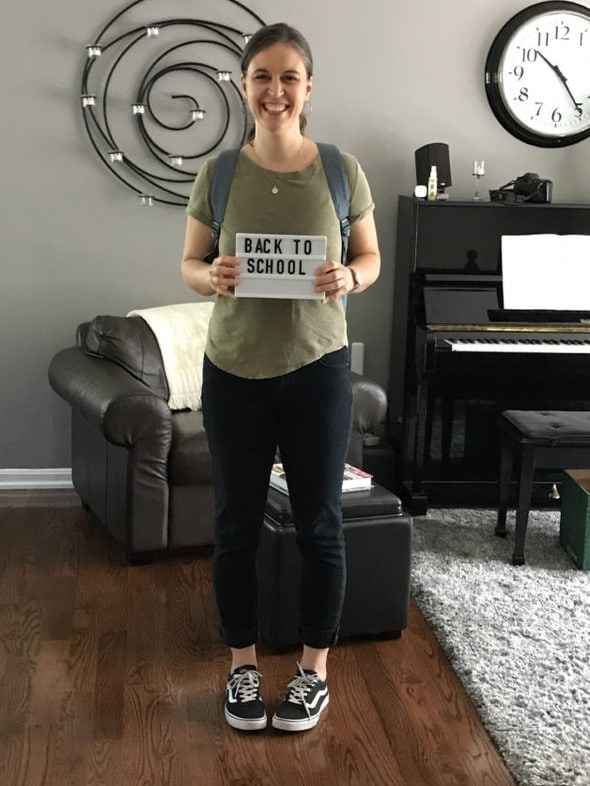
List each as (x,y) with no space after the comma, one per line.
(120,406)
(368,414)
(128,414)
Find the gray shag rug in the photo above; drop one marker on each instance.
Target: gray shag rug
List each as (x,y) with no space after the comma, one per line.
(518,638)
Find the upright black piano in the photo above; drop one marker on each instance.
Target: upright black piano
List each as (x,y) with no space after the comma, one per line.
(458,358)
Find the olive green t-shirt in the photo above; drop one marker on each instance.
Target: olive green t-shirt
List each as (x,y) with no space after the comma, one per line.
(259,338)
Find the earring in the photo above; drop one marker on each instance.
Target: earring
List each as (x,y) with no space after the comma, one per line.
(308,110)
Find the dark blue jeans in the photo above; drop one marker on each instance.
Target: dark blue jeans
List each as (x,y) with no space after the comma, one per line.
(307,415)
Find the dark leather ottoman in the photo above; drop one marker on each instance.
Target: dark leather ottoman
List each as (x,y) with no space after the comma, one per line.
(378,552)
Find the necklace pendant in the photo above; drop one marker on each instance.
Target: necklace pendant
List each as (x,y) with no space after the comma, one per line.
(274,190)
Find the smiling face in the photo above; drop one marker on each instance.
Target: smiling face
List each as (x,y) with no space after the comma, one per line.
(276,86)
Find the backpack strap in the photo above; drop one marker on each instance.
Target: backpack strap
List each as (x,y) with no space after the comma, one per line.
(339,188)
(220,187)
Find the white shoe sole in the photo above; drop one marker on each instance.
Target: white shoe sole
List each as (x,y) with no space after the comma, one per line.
(245,724)
(284,724)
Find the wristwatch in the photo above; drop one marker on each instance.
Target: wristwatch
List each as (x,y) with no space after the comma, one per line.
(357,280)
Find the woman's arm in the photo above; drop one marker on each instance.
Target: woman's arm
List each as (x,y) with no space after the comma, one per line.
(220,277)
(337,280)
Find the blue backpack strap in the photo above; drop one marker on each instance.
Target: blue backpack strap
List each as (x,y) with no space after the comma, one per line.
(339,188)
(220,187)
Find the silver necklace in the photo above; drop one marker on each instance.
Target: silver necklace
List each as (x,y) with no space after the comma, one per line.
(274,188)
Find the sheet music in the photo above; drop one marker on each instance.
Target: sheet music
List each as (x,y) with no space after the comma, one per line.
(546,271)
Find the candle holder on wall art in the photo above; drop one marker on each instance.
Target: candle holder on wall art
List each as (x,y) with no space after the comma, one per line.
(479,170)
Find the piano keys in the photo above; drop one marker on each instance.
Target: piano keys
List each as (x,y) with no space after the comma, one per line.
(556,345)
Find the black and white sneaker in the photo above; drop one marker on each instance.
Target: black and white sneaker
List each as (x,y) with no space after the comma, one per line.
(301,709)
(243,706)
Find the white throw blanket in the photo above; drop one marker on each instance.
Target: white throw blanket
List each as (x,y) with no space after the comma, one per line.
(181,332)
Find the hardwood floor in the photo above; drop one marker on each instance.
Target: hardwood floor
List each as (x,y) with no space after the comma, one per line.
(113,675)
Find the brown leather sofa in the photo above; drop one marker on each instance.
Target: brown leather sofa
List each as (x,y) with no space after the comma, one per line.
(141,468)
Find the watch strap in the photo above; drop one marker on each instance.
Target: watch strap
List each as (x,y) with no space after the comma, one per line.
(355,278)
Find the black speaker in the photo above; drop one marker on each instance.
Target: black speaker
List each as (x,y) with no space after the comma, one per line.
(435,154)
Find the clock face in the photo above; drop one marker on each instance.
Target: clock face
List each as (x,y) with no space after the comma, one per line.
(538,74)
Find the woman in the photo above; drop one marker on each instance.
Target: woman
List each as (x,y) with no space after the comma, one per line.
(276,374)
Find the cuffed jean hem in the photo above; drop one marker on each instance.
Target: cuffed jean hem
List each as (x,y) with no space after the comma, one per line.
(238,639)
(319,639)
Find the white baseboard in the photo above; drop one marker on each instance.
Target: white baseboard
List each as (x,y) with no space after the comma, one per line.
(60,478)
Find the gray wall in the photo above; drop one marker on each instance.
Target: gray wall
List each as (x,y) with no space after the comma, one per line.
(389,77)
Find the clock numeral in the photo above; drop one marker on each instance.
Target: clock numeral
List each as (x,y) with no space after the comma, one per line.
(518,72)
(556,116)
(562,32)
(523,94)
(543,38)
(579,111)
(539,105)
(582,34)
(529,55)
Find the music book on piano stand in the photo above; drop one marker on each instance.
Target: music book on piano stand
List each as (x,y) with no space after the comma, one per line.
(546,271)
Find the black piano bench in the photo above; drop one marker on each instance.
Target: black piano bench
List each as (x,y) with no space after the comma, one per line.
(537,440)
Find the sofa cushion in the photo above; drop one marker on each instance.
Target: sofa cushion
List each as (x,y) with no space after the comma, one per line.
(189,462)
(129,342)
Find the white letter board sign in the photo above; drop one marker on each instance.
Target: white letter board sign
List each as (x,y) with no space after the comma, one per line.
(279,266)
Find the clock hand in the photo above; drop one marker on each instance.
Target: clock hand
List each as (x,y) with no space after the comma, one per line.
(561,76)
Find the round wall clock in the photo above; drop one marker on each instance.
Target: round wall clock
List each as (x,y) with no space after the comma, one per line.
(537,74)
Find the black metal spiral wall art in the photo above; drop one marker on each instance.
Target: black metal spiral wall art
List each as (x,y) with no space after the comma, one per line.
(182,75)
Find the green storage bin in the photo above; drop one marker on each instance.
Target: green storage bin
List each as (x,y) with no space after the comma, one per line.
(574,525)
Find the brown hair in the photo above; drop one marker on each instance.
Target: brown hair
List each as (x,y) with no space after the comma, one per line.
(279,33)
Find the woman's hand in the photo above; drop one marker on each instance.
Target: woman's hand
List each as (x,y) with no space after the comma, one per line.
(219,277)
(224,275)
(333,279)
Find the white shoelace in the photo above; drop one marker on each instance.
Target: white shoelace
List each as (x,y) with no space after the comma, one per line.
(245,685)
(300,686)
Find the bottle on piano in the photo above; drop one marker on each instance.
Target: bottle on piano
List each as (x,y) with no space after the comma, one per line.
(432,183)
